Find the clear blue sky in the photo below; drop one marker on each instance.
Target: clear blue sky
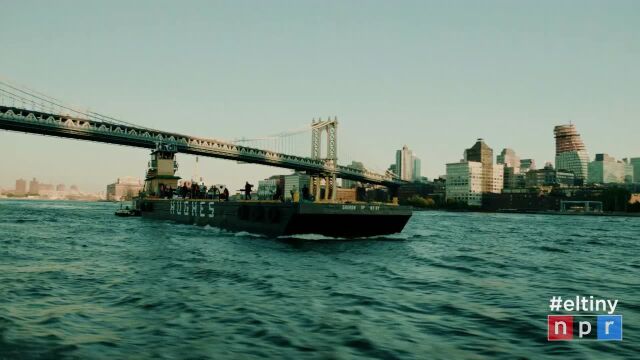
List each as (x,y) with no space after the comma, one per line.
(432,75)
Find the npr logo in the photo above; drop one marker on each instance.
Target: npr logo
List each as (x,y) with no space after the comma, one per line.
(584,327)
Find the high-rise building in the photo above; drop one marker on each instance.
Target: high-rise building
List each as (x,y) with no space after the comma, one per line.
(527,164)
(348,184)
(511,164)
(628,171)
(417,169)
(21,187)
(605,170)
(406,162)
(475,175)
(509,158)
(571,154)
(482,153)
(635,163)
(34,187)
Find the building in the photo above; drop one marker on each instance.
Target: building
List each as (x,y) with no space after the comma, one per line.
(509,158)
(417,169)
(125,188)
(482,153)
(628,171)
(475,175)
(348,184)
(548,176)
(21,187)
(464,183)
(34,187)
(47,190)
(635,163)
(571,154)
(297,182)
(271,188)
(407,165)
(606,170)
(511,164)
(527,164)
(61,188)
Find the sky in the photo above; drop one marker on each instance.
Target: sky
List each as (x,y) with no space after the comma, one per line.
(434,75)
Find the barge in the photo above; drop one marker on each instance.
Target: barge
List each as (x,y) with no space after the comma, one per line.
(270,218)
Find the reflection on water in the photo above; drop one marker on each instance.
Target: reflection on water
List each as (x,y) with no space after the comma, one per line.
(77,282)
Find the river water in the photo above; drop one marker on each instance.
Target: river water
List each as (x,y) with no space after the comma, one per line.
(77,282)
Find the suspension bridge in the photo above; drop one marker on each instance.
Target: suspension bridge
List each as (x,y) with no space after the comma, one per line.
(28,111)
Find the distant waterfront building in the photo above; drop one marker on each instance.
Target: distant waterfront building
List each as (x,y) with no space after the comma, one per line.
(74,188)
(21,187)
(635,163)
(606,170)
(464,183)
(268,188)
(474,176)
(548,176)
(482,153)
(571,154)
(417,169)
(125,188)
(296,182)
(348,184)
(527,164)
(34,187)
(628,171)
(406,163)
(61,188)
(509,158)
(511,164)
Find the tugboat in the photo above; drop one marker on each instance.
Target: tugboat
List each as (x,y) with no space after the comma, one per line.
(272,218)
(127,212)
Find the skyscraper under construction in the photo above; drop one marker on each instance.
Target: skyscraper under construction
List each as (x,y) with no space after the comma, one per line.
(571,154)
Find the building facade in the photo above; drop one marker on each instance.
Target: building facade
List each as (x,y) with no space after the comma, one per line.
(482,153)
(571,153)
(408,166)
(125,188)
(464,183)
(511,163)
(467,181)
(296,183)
(21,187)
(635,164)
(349,184)
(548,176)
(34,187)
(606,170)
(527,164)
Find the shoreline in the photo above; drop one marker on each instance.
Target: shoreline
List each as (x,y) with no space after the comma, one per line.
(536,212)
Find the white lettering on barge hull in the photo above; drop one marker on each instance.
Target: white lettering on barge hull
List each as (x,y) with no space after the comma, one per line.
(201,209)
(361,207)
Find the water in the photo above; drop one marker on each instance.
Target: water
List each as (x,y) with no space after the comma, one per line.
(77,282)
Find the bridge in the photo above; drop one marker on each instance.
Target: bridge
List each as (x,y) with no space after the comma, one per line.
(35,113)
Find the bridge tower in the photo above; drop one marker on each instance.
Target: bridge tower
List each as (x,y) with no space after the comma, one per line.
(161,173)
(318,129)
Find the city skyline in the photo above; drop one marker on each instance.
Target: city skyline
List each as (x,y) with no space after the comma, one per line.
(545,64)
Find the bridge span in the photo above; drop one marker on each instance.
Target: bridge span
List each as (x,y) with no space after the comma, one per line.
(73,127)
